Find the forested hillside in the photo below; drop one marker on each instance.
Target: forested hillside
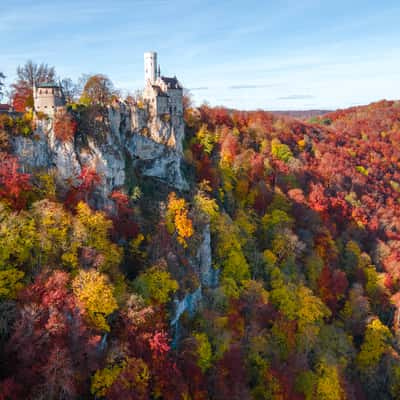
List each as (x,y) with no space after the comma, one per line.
(303,298)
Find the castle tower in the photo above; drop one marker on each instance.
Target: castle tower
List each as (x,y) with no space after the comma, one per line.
(150,67)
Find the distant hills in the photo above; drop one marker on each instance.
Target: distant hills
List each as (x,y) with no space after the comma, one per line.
(302,114)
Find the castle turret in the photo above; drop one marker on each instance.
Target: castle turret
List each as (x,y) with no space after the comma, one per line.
(150,67)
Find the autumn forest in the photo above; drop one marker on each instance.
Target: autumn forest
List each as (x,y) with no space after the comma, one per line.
(303,296)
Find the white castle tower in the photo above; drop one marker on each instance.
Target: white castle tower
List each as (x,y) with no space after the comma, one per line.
(163,97)
(150,67)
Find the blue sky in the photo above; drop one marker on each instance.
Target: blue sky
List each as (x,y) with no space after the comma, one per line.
(281,54)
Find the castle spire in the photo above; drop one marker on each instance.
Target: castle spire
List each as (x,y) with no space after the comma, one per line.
(159,70)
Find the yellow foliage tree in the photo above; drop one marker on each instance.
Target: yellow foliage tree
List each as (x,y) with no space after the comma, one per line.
(10,282)
(324,384)
(91,229)
(177,219)
(53,227)
(96,294)
(375,345)
(104,378)
(206,205)
(17,238)
(132,373)
(328,385)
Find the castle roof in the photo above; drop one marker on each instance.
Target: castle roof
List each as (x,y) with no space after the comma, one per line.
(5,108)
(48,85)
(159,91)
(172,83)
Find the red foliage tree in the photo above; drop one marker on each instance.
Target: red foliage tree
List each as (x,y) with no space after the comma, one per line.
(317,198)
(10,390)
(65,127)
(191,372)
(332,287)
(123,218)
(229,380)
(13,184)
(52,349)
(143,332)
(88,180)
(230,147)
(22,97)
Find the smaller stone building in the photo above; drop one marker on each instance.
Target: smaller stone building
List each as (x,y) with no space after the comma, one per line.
(5,109)
(48,98)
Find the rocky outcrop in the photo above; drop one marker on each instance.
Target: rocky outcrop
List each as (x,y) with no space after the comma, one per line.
(208,276)
(129,140)
(207,273)
(157,160)
(188,304)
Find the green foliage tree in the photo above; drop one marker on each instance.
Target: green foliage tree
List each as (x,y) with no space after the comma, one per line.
(276,222)
(281,151)
(203,350)
(156,284)
(298,303)
(229,255)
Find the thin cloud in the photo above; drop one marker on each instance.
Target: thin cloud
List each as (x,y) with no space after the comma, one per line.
(200,88)
(296,97)
(241,87)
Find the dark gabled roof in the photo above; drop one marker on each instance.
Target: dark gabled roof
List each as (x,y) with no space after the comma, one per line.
(48,85)
(172,83)
(159,91)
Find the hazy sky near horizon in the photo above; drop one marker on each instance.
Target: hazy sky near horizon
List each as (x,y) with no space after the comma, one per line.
(274,55)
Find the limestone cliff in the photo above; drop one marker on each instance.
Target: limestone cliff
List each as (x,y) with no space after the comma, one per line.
(130,139)
(208,278)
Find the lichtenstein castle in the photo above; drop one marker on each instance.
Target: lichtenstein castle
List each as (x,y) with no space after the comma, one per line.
(164,94)
(142,134)
(159,115)
(163,98)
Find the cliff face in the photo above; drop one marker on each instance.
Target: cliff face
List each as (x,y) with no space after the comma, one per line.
(208,277)
(130,139)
